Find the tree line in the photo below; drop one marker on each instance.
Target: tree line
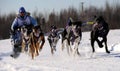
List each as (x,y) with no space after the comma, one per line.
(109,12)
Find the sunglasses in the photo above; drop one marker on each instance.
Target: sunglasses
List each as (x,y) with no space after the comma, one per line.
(22,13)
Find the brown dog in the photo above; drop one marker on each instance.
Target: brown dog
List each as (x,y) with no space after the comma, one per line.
(37,41)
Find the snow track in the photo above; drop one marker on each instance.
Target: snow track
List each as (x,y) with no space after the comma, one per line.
(61,61)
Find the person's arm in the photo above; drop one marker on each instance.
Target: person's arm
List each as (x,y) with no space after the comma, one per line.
(33,21)
(14,25)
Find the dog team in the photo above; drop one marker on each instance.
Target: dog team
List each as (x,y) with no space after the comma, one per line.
(27,35)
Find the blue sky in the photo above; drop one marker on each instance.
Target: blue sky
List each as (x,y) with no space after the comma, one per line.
(8,6)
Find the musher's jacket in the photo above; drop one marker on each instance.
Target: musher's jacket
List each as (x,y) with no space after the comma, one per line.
(19,22)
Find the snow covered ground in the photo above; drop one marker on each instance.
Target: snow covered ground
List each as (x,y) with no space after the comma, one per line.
(60,61)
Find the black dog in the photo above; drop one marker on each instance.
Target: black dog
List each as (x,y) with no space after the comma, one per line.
(99,29)
(53,38)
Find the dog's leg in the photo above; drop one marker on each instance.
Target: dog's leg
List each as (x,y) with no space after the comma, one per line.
(77,44)
(51,47)
(78,53)
(23,46)
(68,47)
(106,48)
(37,48)
(63,34)
(32,51)
(99,43)
(52,50)
(75,50)
(63,45)
(92,41)
(42,38)
(51,44)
